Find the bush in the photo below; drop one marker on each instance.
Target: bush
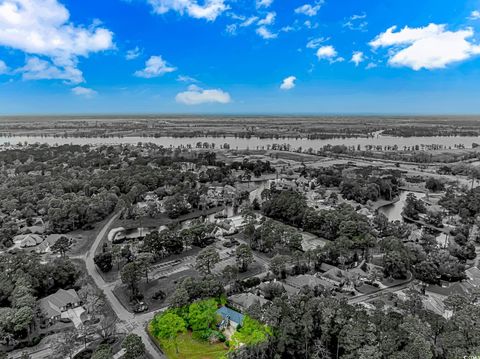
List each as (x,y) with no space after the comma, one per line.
(159,295)
(251,282)
(104,261)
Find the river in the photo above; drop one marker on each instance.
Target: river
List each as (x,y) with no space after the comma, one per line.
(442,142)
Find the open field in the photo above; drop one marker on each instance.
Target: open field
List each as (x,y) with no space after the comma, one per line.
(261,126)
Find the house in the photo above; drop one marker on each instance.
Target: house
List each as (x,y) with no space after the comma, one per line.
(49,241)
(290,290)
(57,305)
(230,317)
(28,240)
(308,280)
(243,301)
(341,278)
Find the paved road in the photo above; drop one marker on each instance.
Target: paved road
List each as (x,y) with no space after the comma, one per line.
(129,322)
(42,351)
(369,297)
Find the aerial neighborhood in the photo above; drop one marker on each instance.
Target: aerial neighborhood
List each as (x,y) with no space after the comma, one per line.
(112,251)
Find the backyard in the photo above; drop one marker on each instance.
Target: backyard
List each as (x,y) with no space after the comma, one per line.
(190,348)
(205,329)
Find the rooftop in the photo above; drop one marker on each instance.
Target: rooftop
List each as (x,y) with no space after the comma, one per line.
(231,315)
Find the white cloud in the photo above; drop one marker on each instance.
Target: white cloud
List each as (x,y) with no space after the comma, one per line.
(266,33)
(308,24)
(264,3)
(43,28)
(84,91)
(197,96)
(308,9)
(357,58)
(371,65)
(185,78)
(315,43)
(475,15)
(329,53)
(269,19)
(231,29)
(209,11)
(155,67)
(38,69)
(251,20)
(3,68)
(133,53)
(288,83)
(326,52)
(430,47)
(356,22)
(287,28)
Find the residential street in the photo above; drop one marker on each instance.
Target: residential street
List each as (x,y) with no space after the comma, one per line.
(369,297)
(128,322)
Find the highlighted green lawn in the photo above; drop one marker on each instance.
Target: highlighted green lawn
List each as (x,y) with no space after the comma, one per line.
(189,348)
(192,331)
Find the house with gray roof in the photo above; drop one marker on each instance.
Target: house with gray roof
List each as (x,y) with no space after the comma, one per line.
(60,302)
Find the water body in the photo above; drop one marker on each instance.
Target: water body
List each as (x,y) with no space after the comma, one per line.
(251,143)
(394,211)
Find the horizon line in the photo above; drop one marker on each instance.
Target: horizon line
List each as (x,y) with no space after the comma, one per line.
(238,115)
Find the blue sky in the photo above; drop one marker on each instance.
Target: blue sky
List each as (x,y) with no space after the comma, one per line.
(240,56)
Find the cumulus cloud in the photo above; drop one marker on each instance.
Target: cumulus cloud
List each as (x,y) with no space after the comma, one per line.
(309,10)
(155,66)
(43,28)
(264,3)
(266,33)
(357,58)
(84,91)
(430,47)
(133,53)
(209,11)
(474,15)
(3,67)
(38,69)
(288,83)
(197,96)
(329,53)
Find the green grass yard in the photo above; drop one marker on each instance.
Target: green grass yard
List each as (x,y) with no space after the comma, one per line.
(189,348)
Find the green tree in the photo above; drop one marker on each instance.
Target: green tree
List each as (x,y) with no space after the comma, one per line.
(244,257)
(395,265)
(278,265)
(134,347)
(145,262)
(62,245)
(23,319)
(168,326)
(103,352)
(104,261)
(130,275)
(201,315)
(206,260)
